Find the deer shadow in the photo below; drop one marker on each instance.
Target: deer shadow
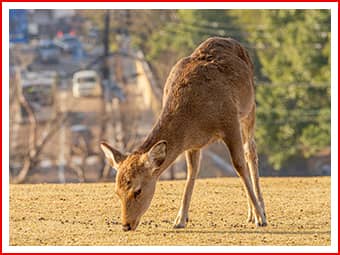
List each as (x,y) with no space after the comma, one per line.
(275,232)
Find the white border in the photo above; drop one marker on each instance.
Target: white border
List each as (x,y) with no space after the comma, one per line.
(138,5)
(5,128)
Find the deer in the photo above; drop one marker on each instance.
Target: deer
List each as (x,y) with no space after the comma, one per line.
(208,96)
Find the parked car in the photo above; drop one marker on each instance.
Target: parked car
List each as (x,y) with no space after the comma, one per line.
(68,43)
(39,89)
(48,52)
(86,83)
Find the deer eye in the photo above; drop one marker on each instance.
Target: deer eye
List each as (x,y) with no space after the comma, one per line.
(137,192)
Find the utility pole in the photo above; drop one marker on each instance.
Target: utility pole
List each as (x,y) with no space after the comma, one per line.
(62,141)
(106,41)
(105,69)
(105,85)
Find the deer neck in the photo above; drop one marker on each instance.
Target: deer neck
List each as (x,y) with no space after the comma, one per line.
(170,130)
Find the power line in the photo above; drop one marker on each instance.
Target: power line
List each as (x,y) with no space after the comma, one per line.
(301,112)
(293,84)
(219,24)
(222,33)
(280,122)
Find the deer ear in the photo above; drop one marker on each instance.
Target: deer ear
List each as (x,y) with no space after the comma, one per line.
(112,155)
(157,154)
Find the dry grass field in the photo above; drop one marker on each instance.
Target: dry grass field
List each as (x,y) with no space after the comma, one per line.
(298,211)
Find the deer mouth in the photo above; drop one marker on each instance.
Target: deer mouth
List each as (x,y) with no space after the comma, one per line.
(131,226)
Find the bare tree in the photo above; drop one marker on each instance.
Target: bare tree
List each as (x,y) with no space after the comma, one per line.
(36,143)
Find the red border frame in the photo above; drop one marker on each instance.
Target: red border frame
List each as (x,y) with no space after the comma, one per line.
(4,1)
(178,1)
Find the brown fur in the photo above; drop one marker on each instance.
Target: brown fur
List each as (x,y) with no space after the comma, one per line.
(208,96)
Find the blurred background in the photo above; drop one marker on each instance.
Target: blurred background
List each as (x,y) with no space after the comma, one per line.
(78,77)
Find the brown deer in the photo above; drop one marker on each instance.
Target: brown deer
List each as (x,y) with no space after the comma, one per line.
(208,96)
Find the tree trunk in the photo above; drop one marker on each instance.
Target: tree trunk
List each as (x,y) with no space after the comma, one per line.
(21,177)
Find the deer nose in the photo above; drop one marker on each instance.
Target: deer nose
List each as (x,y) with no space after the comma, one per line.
(126,227)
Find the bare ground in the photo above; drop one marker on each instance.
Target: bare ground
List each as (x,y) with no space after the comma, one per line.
(298,211)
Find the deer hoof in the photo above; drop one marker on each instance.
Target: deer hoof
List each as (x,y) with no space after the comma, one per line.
(179,225)
(251,219)
(180,222)
(264,224)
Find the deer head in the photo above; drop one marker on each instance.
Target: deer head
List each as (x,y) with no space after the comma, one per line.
(136,179)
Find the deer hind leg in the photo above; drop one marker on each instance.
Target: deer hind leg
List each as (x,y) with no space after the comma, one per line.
(193,160)
(233,140)
(249,146)
(252,161)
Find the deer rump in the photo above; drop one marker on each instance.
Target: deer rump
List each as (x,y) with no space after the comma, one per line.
(214,82)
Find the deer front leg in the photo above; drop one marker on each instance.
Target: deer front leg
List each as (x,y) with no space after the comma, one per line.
(193,160)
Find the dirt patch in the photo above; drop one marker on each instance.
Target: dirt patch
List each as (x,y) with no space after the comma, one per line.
(298,212)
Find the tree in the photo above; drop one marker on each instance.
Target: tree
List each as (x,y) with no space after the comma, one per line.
(36,144)
(293,48)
